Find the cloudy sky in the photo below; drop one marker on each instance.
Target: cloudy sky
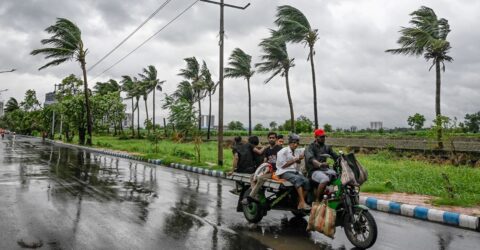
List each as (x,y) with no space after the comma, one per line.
(357,81)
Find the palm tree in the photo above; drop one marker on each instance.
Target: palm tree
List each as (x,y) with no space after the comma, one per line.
(67,44)
(294,26)
(275,59)
(150,77)
(185,91)
(104,88)
(210,87)
(428,37)
(193,73)
(128,86)
(240,67)
(11,105)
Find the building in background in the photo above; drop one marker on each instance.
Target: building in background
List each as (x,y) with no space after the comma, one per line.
(204,121)
(376,125)
(1,109)
(127,122)
(353,129)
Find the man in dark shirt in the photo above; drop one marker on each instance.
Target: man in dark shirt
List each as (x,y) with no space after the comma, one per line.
(272,150)
(316,164)
(244,156)
(270,153)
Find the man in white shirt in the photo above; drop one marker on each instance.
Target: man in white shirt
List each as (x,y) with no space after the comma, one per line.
(287,168)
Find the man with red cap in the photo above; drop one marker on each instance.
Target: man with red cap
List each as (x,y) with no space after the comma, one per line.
(316,163)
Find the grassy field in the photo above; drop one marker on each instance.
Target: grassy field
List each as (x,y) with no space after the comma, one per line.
(451,185)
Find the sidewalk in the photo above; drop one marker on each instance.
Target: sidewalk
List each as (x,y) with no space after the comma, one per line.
(423,200)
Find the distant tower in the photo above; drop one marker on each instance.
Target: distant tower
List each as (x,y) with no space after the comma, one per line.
(376,125)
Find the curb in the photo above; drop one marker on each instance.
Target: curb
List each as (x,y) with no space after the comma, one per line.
(392,207)
(422,213)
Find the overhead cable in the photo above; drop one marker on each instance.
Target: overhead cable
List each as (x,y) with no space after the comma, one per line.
(130,35)
(148,39)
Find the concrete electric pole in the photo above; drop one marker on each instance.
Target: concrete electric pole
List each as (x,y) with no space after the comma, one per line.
(220,88)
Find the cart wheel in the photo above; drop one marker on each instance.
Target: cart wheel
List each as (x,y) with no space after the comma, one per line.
(252,211)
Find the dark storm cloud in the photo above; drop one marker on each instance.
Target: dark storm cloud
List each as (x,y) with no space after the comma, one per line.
(357,81)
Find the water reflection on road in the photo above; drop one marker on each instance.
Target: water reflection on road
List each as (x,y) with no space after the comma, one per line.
(58,197)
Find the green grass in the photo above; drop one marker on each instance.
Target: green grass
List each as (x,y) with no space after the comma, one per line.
(169,151)
(387,171)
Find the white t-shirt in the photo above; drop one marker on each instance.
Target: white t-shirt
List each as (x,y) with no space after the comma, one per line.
(285,155)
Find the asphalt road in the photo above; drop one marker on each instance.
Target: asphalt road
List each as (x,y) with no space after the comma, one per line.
(63,198)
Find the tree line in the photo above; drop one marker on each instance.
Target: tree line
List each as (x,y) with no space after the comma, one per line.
(426,36)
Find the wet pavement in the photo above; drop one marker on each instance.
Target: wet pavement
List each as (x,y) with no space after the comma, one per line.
(63,198)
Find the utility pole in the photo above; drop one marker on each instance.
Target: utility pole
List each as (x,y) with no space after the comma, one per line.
(53,116)
(220,89)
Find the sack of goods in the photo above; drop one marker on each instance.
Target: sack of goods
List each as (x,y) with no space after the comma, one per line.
(322,219)
(353,173)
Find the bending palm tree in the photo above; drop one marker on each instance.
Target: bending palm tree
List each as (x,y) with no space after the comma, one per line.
(192,73)
(240,66)
(104,88)
(185,91)
(150,77)
(11,105)
(275,59)
(210,87)
(427,37)
(128,86)
(67,44)
(294,26)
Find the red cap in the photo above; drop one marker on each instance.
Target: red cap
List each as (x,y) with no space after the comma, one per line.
(319,132)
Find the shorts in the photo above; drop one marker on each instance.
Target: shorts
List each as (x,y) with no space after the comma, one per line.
(323,176)
(296,179)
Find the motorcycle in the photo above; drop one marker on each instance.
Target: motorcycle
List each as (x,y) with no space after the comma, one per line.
(358,223)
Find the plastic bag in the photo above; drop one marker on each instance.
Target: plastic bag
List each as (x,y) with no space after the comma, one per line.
(348,176)
(322,219)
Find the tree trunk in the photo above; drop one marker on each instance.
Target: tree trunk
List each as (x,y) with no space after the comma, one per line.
(199,113)
(133,119)
(249,109)
(153,107)
(81,136)
(87,104)
(292,119)
(138,118)
(315,114)
(146,110)
(209,114)
(437,105)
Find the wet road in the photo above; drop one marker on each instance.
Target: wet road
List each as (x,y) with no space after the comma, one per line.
(63,198)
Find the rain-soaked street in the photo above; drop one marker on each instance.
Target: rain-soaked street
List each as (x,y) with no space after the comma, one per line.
(63,198)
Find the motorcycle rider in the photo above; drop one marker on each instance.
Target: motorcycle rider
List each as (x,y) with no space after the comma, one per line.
(316,164)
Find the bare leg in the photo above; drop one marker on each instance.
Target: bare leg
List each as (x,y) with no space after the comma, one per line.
(301,199)
(319,192)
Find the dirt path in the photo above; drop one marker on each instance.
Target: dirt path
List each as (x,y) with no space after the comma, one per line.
(423,200)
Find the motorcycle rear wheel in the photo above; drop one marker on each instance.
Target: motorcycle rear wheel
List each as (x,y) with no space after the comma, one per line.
(362,232)
(252,211)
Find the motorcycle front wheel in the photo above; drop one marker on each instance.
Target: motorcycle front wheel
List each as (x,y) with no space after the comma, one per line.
(362,231)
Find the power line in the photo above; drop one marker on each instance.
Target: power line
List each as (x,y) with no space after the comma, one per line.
(130,35)
(148,39)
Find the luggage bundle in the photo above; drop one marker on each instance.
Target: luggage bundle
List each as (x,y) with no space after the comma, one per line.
(353,173)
